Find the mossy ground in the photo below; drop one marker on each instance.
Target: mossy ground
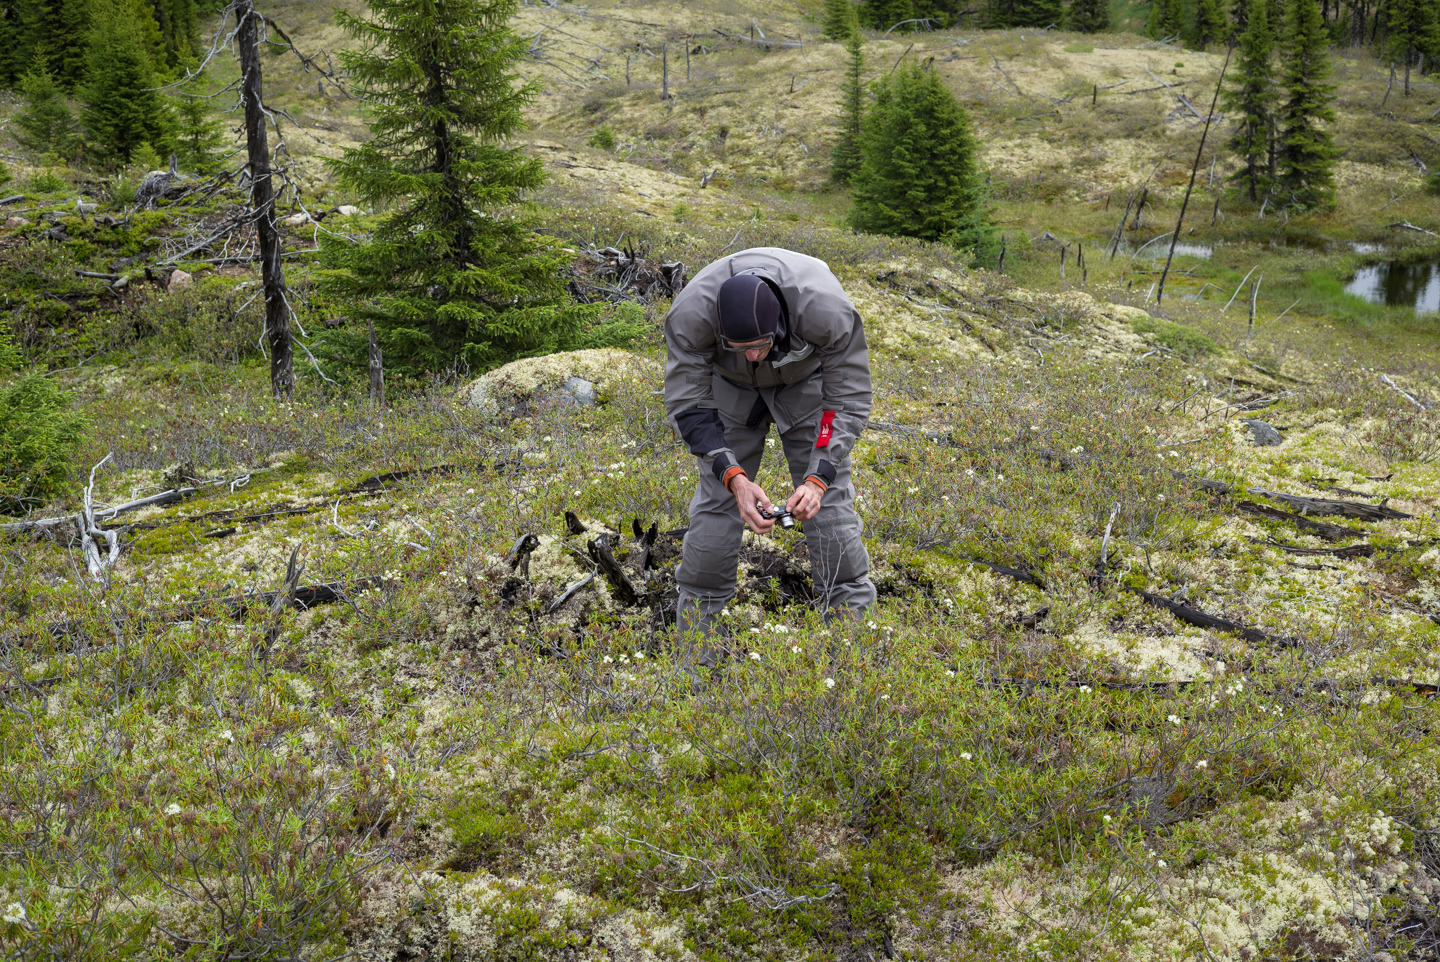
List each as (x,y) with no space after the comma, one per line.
(449,762)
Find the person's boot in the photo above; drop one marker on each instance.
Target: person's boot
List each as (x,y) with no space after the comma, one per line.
(701,638)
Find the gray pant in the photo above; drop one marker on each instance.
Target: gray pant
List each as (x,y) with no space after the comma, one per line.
(839,564)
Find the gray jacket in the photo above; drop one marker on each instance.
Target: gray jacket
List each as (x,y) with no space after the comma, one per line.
(821,380)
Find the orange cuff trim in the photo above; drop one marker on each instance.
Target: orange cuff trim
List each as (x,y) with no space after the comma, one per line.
(730,476)
(823,486)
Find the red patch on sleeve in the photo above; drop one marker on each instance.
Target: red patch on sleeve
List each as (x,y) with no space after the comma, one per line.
(823,440)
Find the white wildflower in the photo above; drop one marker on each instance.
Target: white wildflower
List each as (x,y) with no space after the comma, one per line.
(949,673)
(1173,719)
(1160,863)
(1085,689)
(1202,763)
(884,697)
(639,656)
(227,736)
(14,912)
(172,809)
(965,756)
(829,682)
(754,656)
(794,649)
(1105,818)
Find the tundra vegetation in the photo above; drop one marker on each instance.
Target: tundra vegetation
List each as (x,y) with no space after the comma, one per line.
(388,675)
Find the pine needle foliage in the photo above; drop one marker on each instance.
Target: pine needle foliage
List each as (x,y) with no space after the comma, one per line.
(1306,151)
(120,105)
(884,14)
(1413,34)
(454,276)
(1250,97)
(839,20)
(39,436)
(920,170)
(1167,19)
(1088,16)
(1210,24)
(45,124)
(845,155)
(199,133)
(1002,14)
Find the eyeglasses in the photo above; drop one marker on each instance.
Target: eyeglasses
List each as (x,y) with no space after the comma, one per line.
(766,343)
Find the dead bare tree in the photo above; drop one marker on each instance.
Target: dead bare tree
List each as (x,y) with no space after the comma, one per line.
(281,339)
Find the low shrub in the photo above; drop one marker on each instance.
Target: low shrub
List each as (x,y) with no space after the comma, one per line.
(38,437)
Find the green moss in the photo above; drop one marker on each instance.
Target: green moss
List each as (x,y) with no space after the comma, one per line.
(482,829)
(1185,341)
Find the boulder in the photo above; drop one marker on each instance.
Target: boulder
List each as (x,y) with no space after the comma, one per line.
(15,221)
(297,220)
(179,280)
(346,210)
(579,378)
(1262,434)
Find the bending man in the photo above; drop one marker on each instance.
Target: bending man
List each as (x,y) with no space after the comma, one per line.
(760,337)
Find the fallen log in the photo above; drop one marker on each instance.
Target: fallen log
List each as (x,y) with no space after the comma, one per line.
(1186,613)
(1323,529)
(1349,551)
(302,598)
(1203,619)
(1332,507)
(163,498)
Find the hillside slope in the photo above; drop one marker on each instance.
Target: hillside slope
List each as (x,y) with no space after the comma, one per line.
(399,683)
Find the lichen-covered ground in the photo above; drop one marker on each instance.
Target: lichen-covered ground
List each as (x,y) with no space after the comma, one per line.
(399,683)
(462,756)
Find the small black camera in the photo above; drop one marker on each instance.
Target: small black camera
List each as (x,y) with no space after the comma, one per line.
(781,514)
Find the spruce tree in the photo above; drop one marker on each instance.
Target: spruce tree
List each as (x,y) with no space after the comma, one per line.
(178,21)
(1089,16)
(1250,97)
(840,15)
(56,31)
(14,43)
(121,107)
(845,155)
(884,14)
(199,134)
(1210,25)
(455,274)
(45,124)
(1306,147)
(1024,13)
(1167,19)
(920,170)
(1414,31)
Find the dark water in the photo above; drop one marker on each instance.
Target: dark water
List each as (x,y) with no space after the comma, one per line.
(1398,284)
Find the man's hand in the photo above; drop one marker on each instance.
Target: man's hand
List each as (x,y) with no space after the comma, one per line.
(747,493)
(804,504)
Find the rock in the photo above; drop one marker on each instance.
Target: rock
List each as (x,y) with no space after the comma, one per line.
(179,281)
(15,221)
(581,390)
(297,220)
(1262,434)
(347,210)
(573,377)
